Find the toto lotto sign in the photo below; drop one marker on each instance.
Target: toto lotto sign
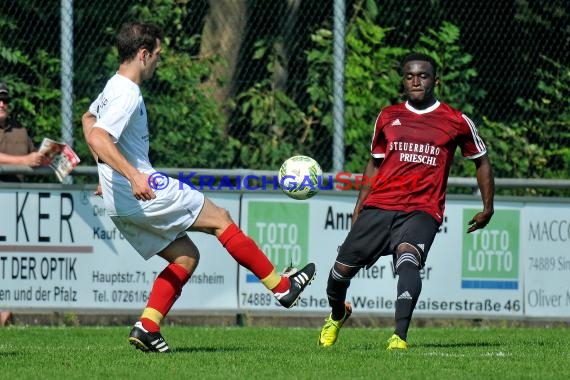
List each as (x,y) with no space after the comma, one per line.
(491,255)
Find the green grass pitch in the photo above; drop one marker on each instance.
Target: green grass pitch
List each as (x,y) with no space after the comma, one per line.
(285,353)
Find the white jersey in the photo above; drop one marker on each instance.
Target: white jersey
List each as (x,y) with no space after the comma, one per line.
(120,111)
(150,226)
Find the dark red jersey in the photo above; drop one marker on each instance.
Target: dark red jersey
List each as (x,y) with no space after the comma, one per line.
(417,148)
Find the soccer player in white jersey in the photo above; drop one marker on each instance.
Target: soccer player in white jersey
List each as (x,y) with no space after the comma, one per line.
(156,222)
(412,150)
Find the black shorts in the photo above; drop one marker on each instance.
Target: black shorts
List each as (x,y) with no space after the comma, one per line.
(378,232)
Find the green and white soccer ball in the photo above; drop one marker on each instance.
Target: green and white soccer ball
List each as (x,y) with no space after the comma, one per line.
(300,177)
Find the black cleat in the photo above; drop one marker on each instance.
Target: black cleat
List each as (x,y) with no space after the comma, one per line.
(147,341)
(299,280)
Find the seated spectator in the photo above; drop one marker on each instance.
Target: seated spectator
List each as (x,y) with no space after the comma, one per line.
(16,146)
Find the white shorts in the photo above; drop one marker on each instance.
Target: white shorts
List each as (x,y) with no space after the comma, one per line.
(165,219)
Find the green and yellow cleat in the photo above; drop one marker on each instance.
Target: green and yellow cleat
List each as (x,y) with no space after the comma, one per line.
(395,343)
(329,332)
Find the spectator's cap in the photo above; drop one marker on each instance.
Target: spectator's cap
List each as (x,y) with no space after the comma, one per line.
(4,91)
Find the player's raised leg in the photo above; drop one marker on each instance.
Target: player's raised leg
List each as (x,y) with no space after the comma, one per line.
(286,288)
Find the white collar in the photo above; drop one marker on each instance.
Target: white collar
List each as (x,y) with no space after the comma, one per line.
(419,112)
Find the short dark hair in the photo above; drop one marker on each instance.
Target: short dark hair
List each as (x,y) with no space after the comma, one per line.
(137,35)
(419,57)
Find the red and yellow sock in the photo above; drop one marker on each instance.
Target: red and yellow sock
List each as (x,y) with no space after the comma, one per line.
(246,252)
(166,289)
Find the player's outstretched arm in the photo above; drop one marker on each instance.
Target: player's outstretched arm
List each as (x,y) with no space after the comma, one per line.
(486,184)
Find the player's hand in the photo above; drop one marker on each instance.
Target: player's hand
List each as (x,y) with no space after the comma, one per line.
(141,188)
(33,159)
(480,220)
(98,191)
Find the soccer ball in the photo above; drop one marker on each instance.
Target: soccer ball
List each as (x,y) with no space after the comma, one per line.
(300,177)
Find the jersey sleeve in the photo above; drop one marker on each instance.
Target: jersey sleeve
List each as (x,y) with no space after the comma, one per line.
(378,145)
(470,143)
(94,106)
(114,114)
